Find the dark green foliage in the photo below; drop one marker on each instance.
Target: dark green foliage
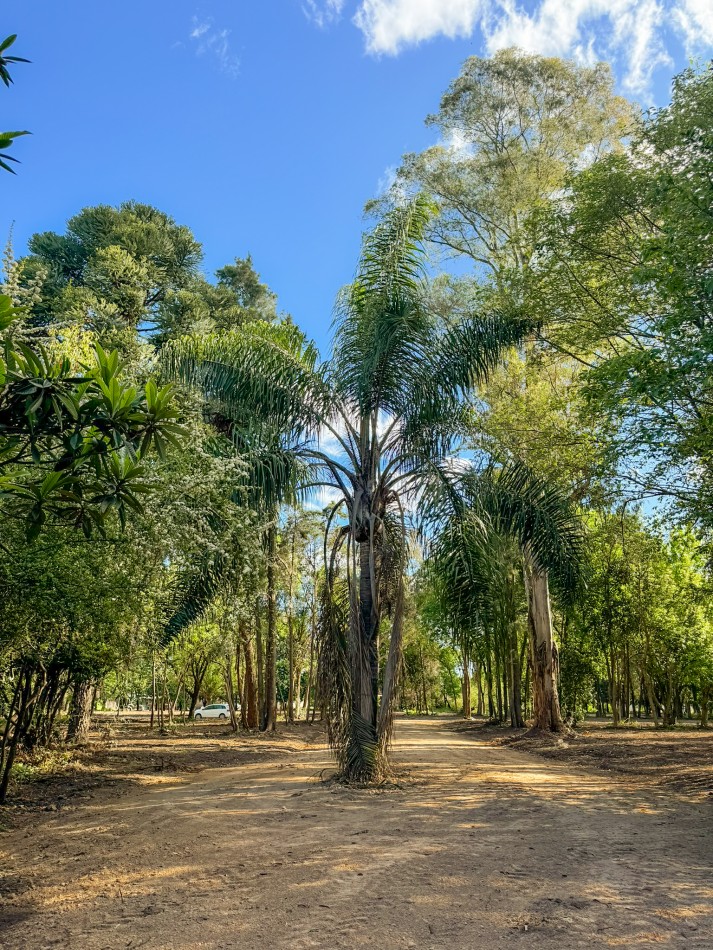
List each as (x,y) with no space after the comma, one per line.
(71,442)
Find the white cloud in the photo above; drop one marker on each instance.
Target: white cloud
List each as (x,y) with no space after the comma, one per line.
(386,181)
(390,25)
(695,20)
(625,31)
(215,41)
(632,34)
(323,12)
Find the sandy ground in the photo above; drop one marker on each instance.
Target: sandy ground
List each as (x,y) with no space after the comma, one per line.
(481,847)
(680,759)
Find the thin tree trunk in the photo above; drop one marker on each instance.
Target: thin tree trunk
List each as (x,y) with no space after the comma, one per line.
(260,663)
(705,702)
(270,720)
(230,693)
(251,699)
(10,712)
(199,670)
(164,694)
(153,688)
(489,684)
(310,676)
(465,688)
(20,722)
(291,633)
(392,672)
(174,703)
(613,688)
(516,721)
(423,680)
(244,693)
(480,709)
(290,670)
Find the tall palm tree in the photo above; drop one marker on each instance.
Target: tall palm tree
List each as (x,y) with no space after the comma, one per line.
(388,404)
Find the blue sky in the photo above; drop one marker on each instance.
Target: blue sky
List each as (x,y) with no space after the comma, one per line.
(264,125)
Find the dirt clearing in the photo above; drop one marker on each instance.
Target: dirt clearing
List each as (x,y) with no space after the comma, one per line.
(482,847)
(680,759)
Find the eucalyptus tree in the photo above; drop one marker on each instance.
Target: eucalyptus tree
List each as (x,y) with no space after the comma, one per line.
(511,129)
(390,402)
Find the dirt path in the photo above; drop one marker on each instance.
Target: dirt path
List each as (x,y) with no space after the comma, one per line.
(483,848)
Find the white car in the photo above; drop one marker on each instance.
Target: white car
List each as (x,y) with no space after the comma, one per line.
(216,711)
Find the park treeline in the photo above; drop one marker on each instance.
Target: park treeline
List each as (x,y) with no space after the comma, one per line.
(493,495)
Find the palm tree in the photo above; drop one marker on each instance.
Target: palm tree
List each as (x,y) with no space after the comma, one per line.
(477,516)
(389,403)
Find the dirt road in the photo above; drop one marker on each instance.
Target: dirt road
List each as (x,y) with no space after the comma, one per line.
(482,848)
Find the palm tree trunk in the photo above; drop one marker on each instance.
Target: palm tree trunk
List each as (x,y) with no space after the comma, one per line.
(545,698)
(365,661)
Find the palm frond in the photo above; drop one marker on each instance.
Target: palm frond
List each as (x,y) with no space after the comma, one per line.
(261,374)
(383,330)
(471,348)
(193,593)
(391,265)
(538,515)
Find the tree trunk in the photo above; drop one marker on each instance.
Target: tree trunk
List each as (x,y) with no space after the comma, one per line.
(498,687)
(310,675)
(198,672)
(251,698)
(365,661)
(8,720)
(465,689)
(705,703)
(270,718)
(153,689)
(545,698)
(24,706)
(516,721)
(260,664)
(244,693)
(669,712)
(230,692)
(291,669)
(489,685)
(480,708)
(164,696)
(613,688)
(80,712)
